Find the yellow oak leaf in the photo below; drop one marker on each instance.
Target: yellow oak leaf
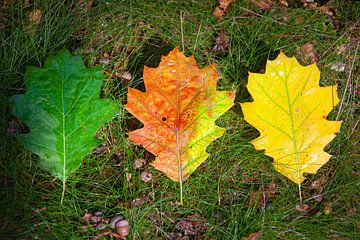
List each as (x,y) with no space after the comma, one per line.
(178,110)
(290,110)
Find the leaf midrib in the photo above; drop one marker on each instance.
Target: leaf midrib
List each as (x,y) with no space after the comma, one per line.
(63,118)
(293,131)
(177,130)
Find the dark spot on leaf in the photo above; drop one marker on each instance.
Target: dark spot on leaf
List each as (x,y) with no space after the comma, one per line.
(163,119)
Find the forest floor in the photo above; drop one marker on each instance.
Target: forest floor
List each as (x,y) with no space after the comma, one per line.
(236,193)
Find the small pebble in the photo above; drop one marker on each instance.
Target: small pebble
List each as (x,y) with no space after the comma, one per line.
(87,216)
(315,184)
(352,211)
(302,208)
(125,75)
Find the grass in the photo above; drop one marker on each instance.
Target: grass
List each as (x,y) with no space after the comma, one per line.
(137,33)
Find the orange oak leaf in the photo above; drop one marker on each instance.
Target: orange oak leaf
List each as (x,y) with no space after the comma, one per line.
(178,110)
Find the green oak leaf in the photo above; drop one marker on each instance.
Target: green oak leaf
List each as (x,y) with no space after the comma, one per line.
(62,109)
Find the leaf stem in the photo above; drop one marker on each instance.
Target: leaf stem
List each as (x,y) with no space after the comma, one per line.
(182,30)
(63,192)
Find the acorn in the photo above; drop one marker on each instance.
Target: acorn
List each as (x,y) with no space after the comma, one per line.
(114,220)
(146,176)
(98,213)
(327,209)
(122,227)
(139,163)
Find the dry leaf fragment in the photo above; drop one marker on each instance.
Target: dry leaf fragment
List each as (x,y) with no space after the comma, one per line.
(316,185)
(263,4)
(326,9)
(253,236)
(284,3)
(106,233)
(100,151)
(191,227)
(85,5)
(266,193)
(35,16)
(331,16)
(309,53)
(39,210)
(27,3)
(352,43)
(303,208)
(352,211)
(309,4)
(139,201)
(14,127)
(87,216)
(125,76)
(221,42)
(318,197)
(222,8)
(34,19)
